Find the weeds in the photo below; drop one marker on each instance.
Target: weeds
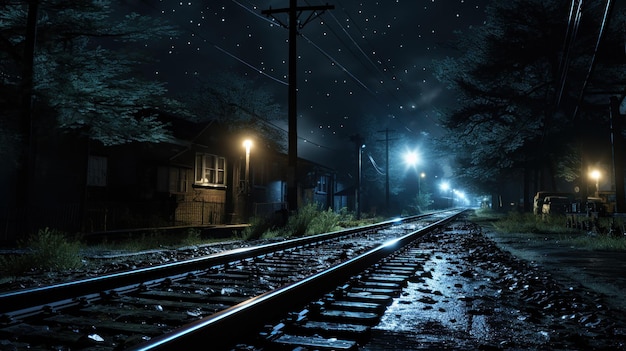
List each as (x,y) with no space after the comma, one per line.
(48,250)
(309,220)
(324,222)
(515,222)
(529,223)
(193,237)
(298,224)
(597,242)
(258,226)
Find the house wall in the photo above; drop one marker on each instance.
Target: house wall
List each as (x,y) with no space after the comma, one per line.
(201,207)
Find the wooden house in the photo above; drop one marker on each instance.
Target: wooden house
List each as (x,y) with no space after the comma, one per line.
(198,178)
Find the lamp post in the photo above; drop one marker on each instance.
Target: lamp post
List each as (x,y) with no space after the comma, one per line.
(419,183)
(247,144)
(595,175)
(245,205)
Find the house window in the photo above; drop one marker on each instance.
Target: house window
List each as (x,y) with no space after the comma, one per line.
(322,185)
(179,179)
(173,179)
(210,170)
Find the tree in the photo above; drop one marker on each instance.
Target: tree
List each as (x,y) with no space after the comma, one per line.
(240,102)
(82,74)
(73,67)
(519,80)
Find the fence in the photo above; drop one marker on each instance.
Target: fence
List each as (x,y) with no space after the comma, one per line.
(98,217)
(16,222)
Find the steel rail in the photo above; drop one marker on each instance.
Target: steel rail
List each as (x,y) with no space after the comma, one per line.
(222,329)
(42,296)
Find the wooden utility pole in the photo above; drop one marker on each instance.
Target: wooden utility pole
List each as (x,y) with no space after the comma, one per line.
(386,165)
(358,142)
(294,11)
(617,146)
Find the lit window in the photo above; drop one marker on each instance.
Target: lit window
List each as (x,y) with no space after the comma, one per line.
(210,170)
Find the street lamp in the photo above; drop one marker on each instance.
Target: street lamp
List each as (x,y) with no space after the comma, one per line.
(411,158)
(595,175)
(419,183)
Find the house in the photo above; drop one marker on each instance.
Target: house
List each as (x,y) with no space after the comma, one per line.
(197,178)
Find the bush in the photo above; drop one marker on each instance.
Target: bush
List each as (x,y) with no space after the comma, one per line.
(324,222)
(298,224)
(48,250)
(258,227)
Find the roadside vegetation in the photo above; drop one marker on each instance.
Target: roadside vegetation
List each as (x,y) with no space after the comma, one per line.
(48,250)
(51,250)
(528,223)
(309,220)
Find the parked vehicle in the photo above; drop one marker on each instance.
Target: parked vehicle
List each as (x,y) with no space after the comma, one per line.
(539,199)
(556,205)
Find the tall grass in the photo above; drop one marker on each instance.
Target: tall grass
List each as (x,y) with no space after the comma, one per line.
(516,222)
(310,219)
(49,250)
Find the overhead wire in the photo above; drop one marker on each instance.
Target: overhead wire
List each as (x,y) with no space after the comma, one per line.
(375,165)
(571,33)
(311,42)
(607,10)
(217,47)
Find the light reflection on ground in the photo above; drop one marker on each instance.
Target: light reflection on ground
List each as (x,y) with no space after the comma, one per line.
(439,298)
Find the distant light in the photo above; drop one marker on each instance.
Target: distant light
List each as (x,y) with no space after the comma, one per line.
(411,158)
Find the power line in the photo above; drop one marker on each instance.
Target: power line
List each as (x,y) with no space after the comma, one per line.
(219,48)
(607,10)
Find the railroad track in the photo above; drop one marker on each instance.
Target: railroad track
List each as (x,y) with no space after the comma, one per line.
(187,303)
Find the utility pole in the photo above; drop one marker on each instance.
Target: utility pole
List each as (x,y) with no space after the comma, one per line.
(617,146)
(386,165)
(294,11)
(358,142)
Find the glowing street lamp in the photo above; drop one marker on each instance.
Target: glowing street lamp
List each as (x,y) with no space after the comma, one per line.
(419,183)
(411,158)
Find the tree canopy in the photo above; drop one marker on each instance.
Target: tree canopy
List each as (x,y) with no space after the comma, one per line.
(526,84)
(241,103)
(83,73)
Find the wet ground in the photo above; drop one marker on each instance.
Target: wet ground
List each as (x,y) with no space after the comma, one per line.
(483,290)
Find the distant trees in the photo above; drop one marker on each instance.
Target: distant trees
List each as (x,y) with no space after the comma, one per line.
(241,103)
(519,80)
(71,67)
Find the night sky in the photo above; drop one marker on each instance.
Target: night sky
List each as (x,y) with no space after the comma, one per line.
(360,59)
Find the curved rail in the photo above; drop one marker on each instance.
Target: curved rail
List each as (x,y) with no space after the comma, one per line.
(252,314)
(23,299)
